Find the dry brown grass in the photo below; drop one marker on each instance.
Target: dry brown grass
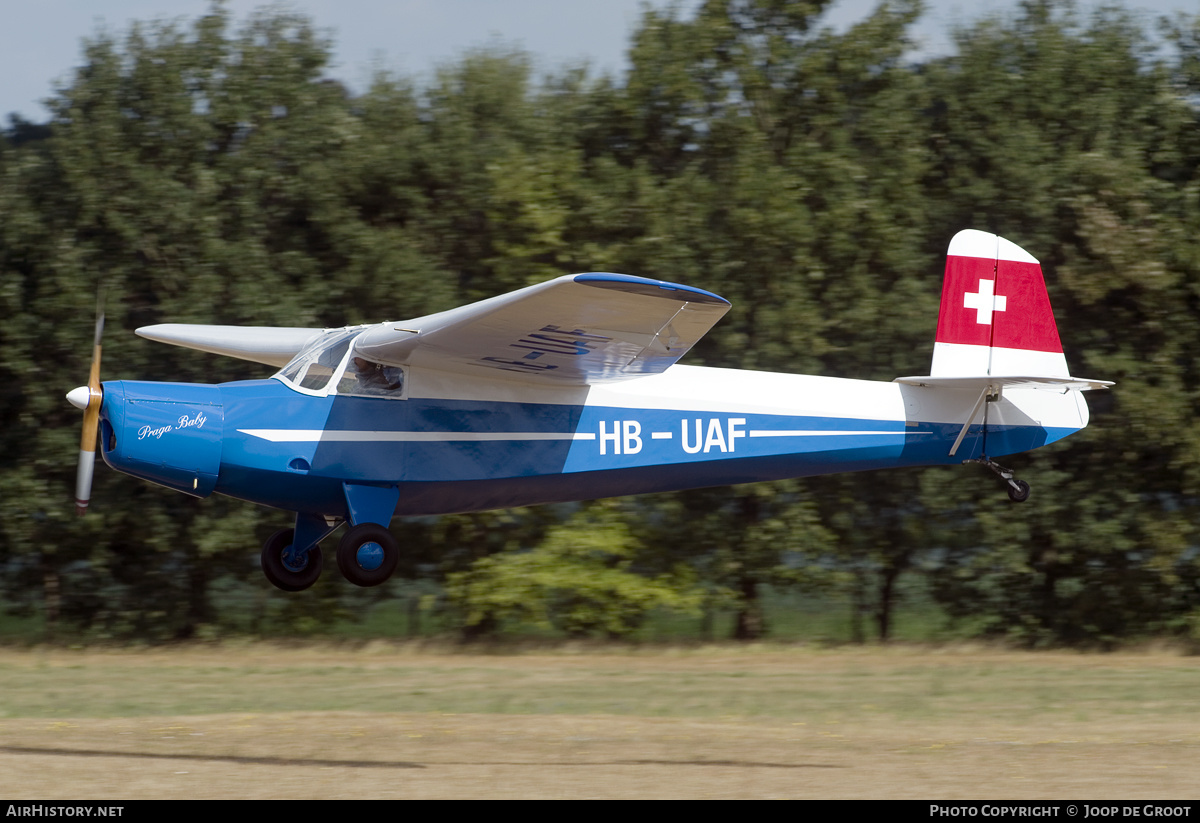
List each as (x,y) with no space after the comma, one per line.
(759,722)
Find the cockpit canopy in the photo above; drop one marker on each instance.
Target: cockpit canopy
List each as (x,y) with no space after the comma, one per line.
(329,365)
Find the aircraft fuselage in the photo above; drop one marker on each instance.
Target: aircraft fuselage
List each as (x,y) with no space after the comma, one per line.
(453,445)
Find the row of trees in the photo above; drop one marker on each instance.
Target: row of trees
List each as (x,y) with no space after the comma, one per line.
(202,173)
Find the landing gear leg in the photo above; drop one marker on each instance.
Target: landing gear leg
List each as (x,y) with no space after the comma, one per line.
(1018,490)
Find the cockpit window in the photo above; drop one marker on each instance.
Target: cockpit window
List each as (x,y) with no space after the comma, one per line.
(292,369)
(366,377)
(316,365)
(330,357)
(322,368)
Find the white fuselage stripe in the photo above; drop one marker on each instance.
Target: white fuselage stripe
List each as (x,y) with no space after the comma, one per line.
(820,433)
(320,435)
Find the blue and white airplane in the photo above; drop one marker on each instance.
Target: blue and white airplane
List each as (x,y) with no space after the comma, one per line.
(563,391)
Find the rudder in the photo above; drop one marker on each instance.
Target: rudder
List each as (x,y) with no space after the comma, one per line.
(995,317)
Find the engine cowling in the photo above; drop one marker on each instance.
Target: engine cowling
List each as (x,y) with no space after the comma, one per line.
(167,433)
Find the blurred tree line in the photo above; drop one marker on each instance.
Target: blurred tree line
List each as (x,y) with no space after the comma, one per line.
(206,173)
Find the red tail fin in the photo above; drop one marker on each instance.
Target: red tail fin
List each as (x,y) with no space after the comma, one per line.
(995,317)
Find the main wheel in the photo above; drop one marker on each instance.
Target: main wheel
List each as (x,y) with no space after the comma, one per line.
(367,554)
(282,570)
(1020,494)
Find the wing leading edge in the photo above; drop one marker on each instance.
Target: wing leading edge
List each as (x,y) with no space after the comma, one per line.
(577,329)
(271,345)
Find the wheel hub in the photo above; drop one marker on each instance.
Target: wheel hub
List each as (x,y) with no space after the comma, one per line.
(369,556)
(293,561)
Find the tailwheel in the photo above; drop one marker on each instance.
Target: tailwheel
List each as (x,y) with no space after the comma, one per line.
(1018,491)
(368,554)
(285,568)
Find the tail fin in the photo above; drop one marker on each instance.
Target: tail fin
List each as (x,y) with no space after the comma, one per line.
(996,331)
(995,318)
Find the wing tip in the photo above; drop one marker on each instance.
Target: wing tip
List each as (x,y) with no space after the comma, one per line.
(650,288)
(270,345)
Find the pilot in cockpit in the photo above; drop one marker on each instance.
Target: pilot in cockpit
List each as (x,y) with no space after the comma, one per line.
(375,378)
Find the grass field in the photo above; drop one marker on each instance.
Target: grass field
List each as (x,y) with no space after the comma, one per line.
(406,720)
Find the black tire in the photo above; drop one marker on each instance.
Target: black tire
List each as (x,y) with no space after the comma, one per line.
(1020,494)
(277,571)
(348,556)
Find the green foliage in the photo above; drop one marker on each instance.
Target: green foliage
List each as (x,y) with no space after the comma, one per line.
(581,580)
(1068,136)
(202,172)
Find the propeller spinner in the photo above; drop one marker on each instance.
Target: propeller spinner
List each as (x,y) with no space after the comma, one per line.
(88,398)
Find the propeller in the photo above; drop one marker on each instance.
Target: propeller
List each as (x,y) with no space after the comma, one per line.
(88,398)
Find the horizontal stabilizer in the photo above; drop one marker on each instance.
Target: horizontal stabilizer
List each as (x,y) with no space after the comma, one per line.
(271,345)
(979,382)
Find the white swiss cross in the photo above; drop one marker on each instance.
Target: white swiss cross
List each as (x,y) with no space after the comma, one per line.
(985,301)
